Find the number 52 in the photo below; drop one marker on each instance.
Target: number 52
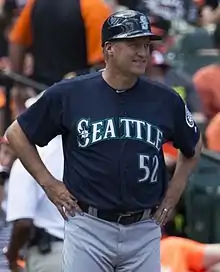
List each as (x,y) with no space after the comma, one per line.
(149,165)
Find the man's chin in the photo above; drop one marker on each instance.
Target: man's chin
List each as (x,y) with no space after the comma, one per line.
(138,72)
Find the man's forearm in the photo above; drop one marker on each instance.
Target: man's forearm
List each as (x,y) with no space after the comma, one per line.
(19,237)
(28,154)
(184,168)
(17,59)
(16,56)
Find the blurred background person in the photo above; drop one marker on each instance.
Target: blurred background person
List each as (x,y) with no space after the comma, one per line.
(212,134)
(183,255)
(162,28)
(162,71)
(207,81)
(62,36)
(211,11)
(7,158)
(37,226)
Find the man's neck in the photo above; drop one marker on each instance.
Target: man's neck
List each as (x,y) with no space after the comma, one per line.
(117,80)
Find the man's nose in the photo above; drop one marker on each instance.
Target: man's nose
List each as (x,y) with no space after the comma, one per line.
(143,51)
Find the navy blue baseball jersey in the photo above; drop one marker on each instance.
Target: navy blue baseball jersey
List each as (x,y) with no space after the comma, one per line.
(112,141)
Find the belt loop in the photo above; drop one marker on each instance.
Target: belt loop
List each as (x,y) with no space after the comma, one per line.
(92,211)
(146,214)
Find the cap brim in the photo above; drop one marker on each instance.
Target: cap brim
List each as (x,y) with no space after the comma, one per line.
(126,36)
(152,36)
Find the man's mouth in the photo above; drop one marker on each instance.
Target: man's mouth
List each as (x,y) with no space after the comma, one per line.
(140,62)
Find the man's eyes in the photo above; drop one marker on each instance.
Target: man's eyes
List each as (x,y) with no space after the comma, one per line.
(146,45)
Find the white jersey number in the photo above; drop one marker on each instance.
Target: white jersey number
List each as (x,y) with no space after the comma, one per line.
(149,175)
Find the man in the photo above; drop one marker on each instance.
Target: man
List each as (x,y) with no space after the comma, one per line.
(37,223)
(113,125)
(212,134)
(63,37)
(207,81)
(180,254)
(162,27)
(211,12)
(161,70)
(7,158)
(184,255)
(173,10)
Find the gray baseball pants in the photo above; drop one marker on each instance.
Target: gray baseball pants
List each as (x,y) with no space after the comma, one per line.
(95,245)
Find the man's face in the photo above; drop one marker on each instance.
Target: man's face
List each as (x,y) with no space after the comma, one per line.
(7,156)
(130,56)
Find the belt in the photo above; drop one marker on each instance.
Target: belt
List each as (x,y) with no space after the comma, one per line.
(125,218)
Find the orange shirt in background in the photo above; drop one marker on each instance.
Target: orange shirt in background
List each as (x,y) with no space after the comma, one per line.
(181,255)
(207,82)
(21,32)
(94,13)
(212,134)
(170,150)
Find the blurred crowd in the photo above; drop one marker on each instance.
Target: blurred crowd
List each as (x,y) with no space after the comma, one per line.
(43,42)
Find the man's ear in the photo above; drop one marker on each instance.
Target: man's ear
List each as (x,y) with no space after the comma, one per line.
(109,48)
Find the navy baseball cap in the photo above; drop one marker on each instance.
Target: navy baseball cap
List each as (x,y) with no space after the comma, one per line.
(127,24)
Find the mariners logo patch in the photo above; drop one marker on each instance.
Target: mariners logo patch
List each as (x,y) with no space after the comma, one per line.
(189,118)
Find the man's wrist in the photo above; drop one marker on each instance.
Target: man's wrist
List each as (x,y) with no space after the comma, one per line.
(174,191)
(11,255)
(45,180)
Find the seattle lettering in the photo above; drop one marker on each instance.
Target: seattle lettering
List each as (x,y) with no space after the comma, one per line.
(89,133)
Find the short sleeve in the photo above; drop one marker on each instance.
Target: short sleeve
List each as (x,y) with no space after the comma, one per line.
(94,14)
(20,204)
(21,32)
(185,134)
(43,121)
